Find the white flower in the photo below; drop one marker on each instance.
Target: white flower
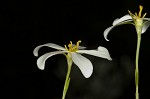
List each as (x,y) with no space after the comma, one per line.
(140,22)
(75,52)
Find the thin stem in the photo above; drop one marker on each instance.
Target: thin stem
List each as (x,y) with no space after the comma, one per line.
(136,63)
(67,81)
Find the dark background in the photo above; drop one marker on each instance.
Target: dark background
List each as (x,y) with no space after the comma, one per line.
(26,24)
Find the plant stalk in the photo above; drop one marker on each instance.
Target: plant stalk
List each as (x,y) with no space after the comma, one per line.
(67,81)
(136,63)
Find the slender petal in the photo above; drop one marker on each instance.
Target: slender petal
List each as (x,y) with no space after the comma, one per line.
(83,63)
(41,60)
(110,28)
(148,19)
(103,53)
(124,18)
(145,27)
(107,31)
(55,46)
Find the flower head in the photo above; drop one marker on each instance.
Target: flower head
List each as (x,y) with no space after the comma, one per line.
(71,47)
(74,52)
(138,20)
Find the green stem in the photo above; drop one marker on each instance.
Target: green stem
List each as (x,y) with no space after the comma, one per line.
(136,63)
(67,81)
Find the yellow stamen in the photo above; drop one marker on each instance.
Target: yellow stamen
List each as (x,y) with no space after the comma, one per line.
(140,12)
(66,47)
(132,15)
(139,15)
(144,15)
(136,14)
(71,47)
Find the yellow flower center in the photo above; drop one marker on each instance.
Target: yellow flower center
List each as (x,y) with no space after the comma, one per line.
(139,15)
(138,19)
(71,47)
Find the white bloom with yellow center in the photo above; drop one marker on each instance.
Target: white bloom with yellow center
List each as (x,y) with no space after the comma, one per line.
(74,52)
(140,22)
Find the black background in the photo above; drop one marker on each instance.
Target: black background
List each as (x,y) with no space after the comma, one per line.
(26,24)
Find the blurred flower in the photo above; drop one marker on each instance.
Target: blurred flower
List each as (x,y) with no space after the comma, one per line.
(140,22)
(74,53)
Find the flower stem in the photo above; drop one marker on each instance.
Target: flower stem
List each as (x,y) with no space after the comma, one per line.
(67,81)
(136,63)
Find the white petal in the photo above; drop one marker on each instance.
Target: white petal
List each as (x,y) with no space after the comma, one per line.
(83,63)
(101,52)
(148,19)
(145,27)
(110,28)
(107,31)
(55,46)
(105,52)
(124,18)
(41,60)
